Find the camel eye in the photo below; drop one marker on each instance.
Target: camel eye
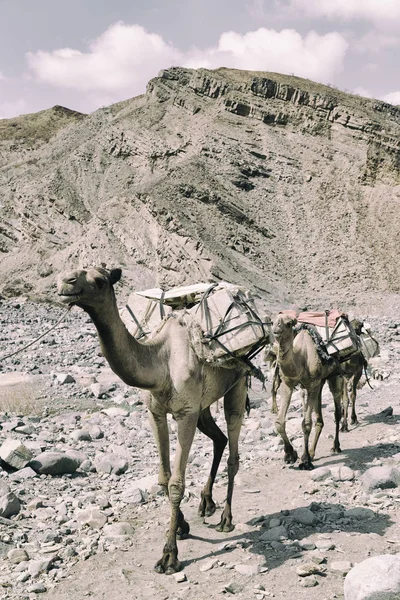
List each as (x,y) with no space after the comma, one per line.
(100,282)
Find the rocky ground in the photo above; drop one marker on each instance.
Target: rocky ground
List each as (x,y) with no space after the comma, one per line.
(96,528)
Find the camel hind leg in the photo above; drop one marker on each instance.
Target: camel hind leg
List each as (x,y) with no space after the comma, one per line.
(208,426)
(336,385)
(169,562)
(353,395)
(234,407)
(280,423)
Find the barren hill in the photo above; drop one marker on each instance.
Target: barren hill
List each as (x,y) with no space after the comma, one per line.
(287,186)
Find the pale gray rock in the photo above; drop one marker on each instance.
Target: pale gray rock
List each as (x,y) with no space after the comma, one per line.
(37,588)
(81,435)
(15,454)
(309,581)
(341,567)
(98,390)
(93,517)
(27,429)
(377,578)
(133,495)
(380,477)
(63,378)
(96,432)
(310,569)
(9,505)
(342,473)
(246,569)
(120,530)
(320,474)
(23,474)
(54,463)
(110,463)
(115,411)
(17,556)
(40,566)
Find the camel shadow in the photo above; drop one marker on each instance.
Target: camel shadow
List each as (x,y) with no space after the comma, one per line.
(281,543)
(359,459)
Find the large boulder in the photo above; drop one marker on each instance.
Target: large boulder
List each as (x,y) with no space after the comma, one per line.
(376,578)
(55,463)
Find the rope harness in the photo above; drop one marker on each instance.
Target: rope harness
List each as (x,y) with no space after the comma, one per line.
(40,336)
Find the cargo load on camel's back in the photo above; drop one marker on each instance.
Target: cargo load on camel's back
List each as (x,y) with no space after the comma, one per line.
(226,314)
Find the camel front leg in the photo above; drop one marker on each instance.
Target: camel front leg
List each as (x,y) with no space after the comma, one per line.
(280,423)
(159,427)
(208,426)
(336,385)
(276,382)
(319,423)
(313,397)
(169,562)
(234,406)
(345,406)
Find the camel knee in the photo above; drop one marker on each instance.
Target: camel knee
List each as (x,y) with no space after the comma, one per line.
(176,489)
(306,426)
(233,464)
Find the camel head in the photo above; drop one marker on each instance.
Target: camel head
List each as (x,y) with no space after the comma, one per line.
(283,324)
(87,288)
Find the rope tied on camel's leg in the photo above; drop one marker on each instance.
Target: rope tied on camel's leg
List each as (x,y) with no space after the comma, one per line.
(40,336)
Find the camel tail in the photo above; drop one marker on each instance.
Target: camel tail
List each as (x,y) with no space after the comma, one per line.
(247,405)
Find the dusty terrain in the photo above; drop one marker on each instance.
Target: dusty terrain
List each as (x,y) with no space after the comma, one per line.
(85,560)
(273,181)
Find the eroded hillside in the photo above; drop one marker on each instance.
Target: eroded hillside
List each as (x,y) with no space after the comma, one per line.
(287,186)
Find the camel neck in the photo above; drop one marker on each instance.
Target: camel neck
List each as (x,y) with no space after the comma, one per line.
(135,363)
(286,358)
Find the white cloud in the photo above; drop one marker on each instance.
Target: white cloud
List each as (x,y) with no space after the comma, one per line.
(375,11)
(315,56)
(119,63)
(121,59)
(392,98)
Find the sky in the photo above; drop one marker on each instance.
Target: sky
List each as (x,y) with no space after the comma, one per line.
(85,54)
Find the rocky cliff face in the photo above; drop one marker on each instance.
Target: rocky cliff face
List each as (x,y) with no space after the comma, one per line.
(286,186)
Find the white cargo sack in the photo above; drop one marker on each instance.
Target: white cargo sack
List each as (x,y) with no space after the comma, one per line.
(342,339)
(225,313)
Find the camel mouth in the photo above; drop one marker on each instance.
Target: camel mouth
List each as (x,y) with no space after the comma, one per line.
(66,298)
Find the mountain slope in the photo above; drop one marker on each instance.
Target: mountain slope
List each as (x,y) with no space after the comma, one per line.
(287,186)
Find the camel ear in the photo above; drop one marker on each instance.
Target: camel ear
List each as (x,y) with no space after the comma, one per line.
(294,322)
(115,275)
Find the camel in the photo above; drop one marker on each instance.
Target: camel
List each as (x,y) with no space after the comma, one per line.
(352,369)
(300,362)
(270,357)
(178,383)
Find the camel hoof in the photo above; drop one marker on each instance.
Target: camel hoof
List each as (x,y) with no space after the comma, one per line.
(225,527)
(162,567)
(207,507)
(291,457)
(344,428)
(354,421)
(336,450)
(306,466)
